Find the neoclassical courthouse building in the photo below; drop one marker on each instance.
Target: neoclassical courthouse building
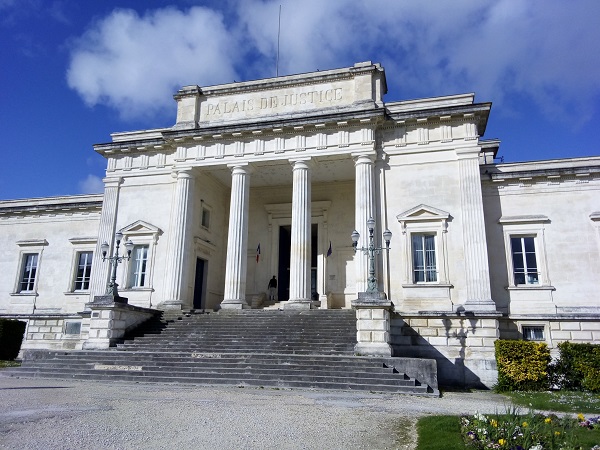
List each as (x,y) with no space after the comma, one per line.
(271,177)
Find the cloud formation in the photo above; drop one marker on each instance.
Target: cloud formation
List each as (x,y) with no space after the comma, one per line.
(501,50)
(91,184)
(135,63)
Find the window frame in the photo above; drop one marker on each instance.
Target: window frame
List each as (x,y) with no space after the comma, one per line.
(425,270)
(425,220)
(141,234)
(80,245)
(29,247)
(132,275)
(532,226)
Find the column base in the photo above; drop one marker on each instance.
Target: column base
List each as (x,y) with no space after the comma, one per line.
(234,304)
(299,304)
(373,349)
(108,299)
(478,305)
(170,305)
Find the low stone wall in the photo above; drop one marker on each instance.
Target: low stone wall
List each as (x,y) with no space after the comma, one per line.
(109,323)
(461,343)
(54,331)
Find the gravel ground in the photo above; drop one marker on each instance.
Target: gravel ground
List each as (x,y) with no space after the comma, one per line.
(56,414)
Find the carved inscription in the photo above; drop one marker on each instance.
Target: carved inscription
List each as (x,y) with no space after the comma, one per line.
(117,367)
(316,98)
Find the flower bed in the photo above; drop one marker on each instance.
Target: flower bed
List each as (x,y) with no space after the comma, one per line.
(530,431)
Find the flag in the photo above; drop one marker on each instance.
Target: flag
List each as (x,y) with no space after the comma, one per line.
(330,250)
(258,252)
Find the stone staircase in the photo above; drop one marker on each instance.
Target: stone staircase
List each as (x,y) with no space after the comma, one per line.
(277,349)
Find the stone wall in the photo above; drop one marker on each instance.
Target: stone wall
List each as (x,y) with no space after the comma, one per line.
(462,345)
(58,332)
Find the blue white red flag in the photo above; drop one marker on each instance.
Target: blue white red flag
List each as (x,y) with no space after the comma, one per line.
(258,252)
(330,251)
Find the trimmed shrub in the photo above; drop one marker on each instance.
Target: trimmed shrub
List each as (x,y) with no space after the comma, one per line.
(578,367)
(522,365)
(11,337)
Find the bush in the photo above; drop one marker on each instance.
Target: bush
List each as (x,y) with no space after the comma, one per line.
(578,367)
(11,336)
(522,365)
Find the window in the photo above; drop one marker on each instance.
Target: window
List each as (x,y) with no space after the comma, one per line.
(84,269)
(205,218)
(139,261)
(524,243)
(29,272)
(525,268)
(424,261)
(424,242)
(533,333)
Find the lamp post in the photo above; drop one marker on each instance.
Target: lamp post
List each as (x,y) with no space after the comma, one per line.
(111,288)
(371,251)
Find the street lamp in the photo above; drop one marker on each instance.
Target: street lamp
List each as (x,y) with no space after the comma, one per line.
(111,288)
(371,251)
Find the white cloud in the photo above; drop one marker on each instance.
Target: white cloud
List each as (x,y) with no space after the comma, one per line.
(92,184)
(542,51)
(135,63)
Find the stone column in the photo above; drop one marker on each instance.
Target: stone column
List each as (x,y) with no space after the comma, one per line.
(106,232)
(364,209)
(477,272)
(177,269)
(237,240)
(301,237)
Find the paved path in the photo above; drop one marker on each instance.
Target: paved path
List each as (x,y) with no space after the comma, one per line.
(53,414)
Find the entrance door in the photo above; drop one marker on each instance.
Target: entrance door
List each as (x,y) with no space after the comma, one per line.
(200,284)
(283,270)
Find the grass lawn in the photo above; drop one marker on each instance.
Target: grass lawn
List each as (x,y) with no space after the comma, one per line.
(444,432)
(4,364)
(563,401)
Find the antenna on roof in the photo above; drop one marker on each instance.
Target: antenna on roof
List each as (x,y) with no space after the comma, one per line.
(278,34)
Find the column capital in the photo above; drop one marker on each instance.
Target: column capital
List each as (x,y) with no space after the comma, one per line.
(182,173)
(364,158)
(112,182)
(467,152)
(240,168)
(301,163)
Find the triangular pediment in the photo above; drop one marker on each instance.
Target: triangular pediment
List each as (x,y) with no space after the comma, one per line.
(140,227)
(423,212)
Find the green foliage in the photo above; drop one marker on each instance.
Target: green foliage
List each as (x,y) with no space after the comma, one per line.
(578,367)
(522,365)
(11,336)
(439,433)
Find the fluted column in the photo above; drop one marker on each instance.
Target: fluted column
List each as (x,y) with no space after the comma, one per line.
(479,297)
(237,240)
(177,267)
(106,232)
(301,236)
(364,209)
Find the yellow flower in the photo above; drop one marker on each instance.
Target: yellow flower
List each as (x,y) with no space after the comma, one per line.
(494,423)
(501,441)
(525,424)
(548,420)
(557,433)
(581,417)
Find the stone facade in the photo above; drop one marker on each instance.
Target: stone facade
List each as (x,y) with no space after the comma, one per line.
(271,177)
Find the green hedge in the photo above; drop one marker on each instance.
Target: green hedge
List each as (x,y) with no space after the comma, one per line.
(578,367)
(11,336)
(522,365)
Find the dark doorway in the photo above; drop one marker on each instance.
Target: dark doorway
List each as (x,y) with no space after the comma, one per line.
(200,284)
(285,241)
(283,271)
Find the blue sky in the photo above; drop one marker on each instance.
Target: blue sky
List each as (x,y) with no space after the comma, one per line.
(75,71)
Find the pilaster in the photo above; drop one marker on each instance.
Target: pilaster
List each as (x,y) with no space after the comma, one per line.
(178,228)
(477,273)
(106,233)
(237,240)
(300,295)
